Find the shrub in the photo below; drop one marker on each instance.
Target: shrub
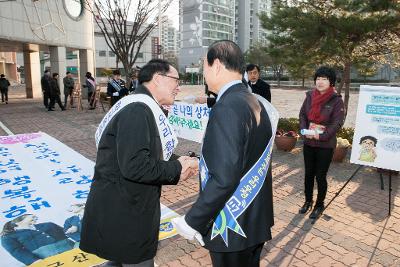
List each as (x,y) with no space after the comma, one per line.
(288,127)
(346,133)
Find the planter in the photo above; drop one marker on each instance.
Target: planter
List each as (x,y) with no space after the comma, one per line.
(285,143)
(339,154)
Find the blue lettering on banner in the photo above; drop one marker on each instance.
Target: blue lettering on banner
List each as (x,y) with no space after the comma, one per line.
(23,192)
(80,194)
(4,181)
(4,152)
(36,205)
(15,211)
(249,187)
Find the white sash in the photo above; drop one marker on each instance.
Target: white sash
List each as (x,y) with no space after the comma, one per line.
(168,138)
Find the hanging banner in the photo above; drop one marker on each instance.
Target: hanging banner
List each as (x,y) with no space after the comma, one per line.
(43,189)
(376,140)
(189,121)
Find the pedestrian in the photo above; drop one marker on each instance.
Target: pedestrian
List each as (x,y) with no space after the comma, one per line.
(91,89)
(257,85)
(55,93)
(68,88)
(233,222)
(322,112)
(4,84)
(116,87)
(135,142)
(45,82)
(134,83)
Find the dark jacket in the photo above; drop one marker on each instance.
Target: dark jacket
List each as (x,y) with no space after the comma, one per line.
(261,88)
(45,82)
(68,85)
(4,84)
(21,243)
(233,142)
(333,111)
(122,213)
(54,88)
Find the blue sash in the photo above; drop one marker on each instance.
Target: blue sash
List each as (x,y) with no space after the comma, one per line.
(116,85)
(249,186)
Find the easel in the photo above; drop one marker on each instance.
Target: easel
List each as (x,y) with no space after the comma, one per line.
(77,94)
(390,172)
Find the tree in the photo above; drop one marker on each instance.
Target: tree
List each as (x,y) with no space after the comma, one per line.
(336,32)
(257,54)
(125,37)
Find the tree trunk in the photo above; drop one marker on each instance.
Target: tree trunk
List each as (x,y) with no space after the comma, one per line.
(346,78)
(339,89)
(128,71)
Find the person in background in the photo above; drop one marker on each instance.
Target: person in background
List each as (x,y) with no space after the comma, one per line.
(55,93)
(4,84)
(257,85)
(91,88)
(323,112)
(116,87)
(45,82)
(134,83)
(68,88)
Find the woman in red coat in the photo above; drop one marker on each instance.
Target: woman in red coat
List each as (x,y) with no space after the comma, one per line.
(323,113)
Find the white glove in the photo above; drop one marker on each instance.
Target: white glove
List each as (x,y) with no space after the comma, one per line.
(185,230)
(116,94)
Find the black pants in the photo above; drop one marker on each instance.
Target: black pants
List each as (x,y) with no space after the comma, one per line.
(55,99)
(68,94)
(4,95)
(316,161)
(249,257)
(46,97)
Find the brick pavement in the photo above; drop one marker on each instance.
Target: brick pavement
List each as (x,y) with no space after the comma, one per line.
(354,232)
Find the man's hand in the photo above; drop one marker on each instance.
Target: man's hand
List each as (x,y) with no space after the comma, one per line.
(190,167)
(186,231)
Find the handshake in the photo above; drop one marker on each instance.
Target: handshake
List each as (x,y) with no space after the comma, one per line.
(190,166)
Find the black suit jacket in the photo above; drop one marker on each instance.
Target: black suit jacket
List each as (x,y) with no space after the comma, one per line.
(261,88)
(237,133)
(122,213)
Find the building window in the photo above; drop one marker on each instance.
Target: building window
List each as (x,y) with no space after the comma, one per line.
(102,53)
(111,54)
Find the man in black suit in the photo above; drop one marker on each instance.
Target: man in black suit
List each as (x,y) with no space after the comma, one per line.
(233,213)
(134,146)
(257,85)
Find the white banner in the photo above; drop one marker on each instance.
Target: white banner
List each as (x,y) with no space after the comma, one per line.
(43,189)
(376,140)
(189,121)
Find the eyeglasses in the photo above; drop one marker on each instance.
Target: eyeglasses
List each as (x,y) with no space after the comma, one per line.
(172,77)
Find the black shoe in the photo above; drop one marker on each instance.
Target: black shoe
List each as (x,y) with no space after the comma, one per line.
(50,109)
(63,109)
(307,206)
(317,211)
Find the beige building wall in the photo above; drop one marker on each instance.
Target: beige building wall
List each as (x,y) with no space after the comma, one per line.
(46,25)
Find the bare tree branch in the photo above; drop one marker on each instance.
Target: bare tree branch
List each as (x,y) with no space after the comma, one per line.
(125,25)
